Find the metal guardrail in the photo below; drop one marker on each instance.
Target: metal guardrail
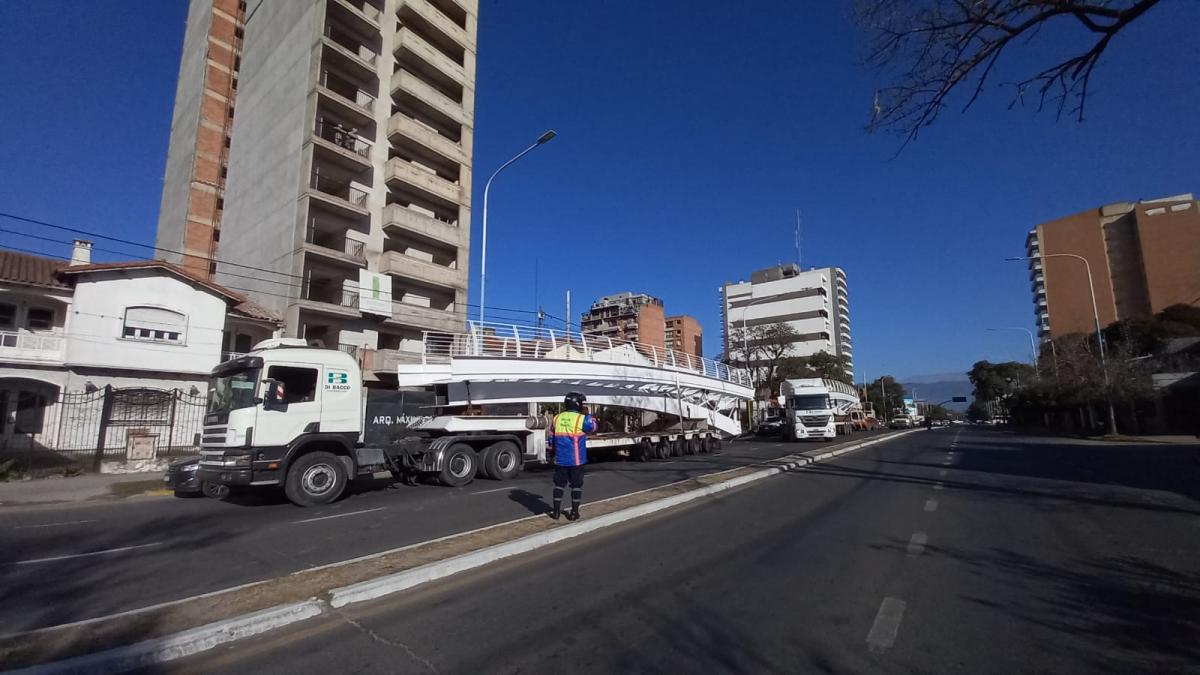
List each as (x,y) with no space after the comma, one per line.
(342,136)
(529,342)
(339,189)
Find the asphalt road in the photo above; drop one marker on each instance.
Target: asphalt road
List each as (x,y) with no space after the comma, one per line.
(970,551)
(73,562)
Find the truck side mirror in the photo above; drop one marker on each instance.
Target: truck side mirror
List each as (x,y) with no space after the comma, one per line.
(274,396)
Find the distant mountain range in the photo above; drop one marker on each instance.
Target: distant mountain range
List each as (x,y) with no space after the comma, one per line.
(940,387)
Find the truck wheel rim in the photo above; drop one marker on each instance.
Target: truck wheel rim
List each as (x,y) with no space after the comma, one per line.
(318,479)
(505,460)
(459,466)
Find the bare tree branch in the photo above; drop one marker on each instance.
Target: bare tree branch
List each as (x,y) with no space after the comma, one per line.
(942,46)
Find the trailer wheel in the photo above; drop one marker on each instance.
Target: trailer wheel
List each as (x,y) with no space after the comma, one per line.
(677,448)
(501,460)
(662,450)
(315,479)
(645,450)
(714,445)
(460,466)
(693,446)
(706,444)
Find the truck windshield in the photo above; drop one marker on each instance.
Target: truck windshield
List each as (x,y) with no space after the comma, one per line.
(232,391)
(810,402)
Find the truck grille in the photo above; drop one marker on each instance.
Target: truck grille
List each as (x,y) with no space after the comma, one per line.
(214,434)
(814,420)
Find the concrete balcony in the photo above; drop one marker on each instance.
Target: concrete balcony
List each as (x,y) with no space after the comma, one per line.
(364,14)
(399,170)
(406,83)
(342,146)
(427,318)
(439,21)
(422,271)
(387,360)
(400,220)
(352,101)
(404,130)
(443,66)
(330,301)
(346,199)
(335,249)
(34,347)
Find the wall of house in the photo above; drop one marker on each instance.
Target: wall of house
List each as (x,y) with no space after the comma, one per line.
(96,337)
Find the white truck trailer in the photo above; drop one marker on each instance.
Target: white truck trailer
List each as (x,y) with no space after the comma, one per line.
(818,408)
(291,415)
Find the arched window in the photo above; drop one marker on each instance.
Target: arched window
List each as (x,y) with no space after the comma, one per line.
(154,324)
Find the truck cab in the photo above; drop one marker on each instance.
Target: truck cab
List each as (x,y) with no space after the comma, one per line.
(277,405)
(808,410)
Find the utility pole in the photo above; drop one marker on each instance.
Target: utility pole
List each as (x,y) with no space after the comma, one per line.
(798,240)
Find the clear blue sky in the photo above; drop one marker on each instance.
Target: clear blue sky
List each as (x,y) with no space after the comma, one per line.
(688,134)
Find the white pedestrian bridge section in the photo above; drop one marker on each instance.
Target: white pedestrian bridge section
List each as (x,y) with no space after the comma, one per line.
(503,363)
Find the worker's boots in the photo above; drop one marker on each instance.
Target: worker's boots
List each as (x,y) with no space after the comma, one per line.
(573,514)
(556,512)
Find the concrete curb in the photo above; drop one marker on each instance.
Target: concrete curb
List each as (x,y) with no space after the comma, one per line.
(186,643)
(196,640)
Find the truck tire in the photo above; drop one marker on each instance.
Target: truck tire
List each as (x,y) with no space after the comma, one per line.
(214,490)
(315,479)
(662,450)
(645,450)
(677,447)
(693,446)
(460,466)
(501,460)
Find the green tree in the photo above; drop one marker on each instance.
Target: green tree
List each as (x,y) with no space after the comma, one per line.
(885,394)
(993,381)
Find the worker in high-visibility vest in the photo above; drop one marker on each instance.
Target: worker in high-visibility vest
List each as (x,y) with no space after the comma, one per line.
(568,438)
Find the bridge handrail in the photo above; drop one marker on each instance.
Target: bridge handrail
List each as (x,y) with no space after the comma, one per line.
(531,342)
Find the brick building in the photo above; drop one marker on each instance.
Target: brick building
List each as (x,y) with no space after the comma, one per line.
(683,334)
(1144,257)
(627,316)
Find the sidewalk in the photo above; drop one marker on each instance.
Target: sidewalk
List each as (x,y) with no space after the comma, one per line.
(1173,440)
(72,489)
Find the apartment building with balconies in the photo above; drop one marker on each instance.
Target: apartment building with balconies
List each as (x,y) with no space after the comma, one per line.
(347,201)
(815,303)
(627,316)
(1142,257)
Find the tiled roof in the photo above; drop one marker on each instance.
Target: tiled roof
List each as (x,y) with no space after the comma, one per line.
(35,270)
(250,310)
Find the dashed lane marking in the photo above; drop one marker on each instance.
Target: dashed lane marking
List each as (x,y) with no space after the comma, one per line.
(942,472)
(887,625)
(916,543)
(69,522)
(938,486)
(931,505)
(338,515)
(84,555)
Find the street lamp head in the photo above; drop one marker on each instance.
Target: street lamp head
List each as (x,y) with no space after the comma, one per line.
(545,138)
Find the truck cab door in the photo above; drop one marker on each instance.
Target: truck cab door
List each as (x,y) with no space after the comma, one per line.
(299,410)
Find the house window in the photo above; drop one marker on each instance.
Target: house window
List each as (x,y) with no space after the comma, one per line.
(8,315)
(39,318)
(299,384)
(154,324)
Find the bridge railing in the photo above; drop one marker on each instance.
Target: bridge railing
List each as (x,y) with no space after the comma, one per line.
(530,342)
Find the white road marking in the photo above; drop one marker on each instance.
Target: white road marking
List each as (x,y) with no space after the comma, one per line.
(484,492)
(938,486)
(69,522)
(84,555)
(942,472)
(887,625)
(916,543)
(930,505)
(338,515)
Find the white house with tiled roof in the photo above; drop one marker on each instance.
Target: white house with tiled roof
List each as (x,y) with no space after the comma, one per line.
(81,327)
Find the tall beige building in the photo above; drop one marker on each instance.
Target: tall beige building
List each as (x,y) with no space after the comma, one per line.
(346,196)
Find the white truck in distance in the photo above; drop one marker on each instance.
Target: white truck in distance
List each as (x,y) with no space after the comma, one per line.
(291,415)
(818,408)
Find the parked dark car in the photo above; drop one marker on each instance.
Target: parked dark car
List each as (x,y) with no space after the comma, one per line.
(181,477)
(769,426)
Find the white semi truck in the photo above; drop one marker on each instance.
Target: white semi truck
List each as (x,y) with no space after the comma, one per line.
(818,408)
(291,415)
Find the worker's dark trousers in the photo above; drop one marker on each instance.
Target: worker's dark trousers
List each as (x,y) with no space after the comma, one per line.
(564,475)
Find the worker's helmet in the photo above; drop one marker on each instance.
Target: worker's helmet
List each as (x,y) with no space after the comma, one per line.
(574,401)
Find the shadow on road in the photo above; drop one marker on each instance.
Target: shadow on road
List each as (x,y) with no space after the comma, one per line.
(534,502)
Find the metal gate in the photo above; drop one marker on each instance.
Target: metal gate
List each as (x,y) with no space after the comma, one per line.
(82,429)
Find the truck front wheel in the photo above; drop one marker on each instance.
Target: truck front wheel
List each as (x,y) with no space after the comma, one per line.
(315,479)
(459,466)
(502,460)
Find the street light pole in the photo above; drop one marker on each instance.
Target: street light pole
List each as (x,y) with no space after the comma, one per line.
(1112,414)
(1032,345)
(544,138)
